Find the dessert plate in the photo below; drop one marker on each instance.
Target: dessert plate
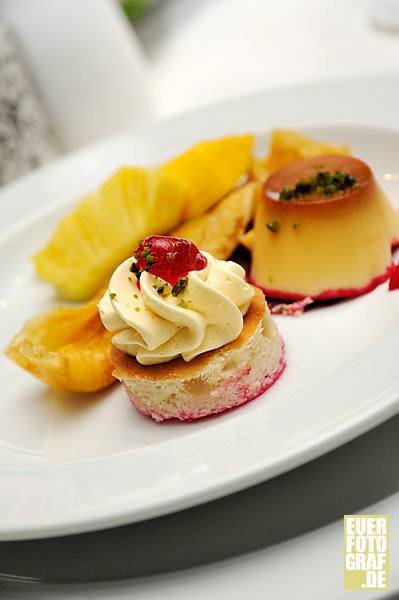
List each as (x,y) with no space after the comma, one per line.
(71,463)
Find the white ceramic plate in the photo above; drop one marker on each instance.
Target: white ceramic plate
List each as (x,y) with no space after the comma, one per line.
(74,463)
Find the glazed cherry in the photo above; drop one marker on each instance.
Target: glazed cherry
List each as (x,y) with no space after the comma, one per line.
(394,277)
(170,258)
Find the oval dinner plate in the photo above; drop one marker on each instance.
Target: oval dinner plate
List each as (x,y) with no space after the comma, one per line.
(72,463)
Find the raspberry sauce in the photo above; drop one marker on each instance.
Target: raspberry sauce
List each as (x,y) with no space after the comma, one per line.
(170,258)
(394,277)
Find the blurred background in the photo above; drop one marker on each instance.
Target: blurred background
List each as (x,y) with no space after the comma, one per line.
(72,72)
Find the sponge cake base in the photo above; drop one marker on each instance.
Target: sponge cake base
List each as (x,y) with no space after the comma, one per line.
(212,382)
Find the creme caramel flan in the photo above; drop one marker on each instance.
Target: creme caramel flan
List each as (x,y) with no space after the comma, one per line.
(323,228)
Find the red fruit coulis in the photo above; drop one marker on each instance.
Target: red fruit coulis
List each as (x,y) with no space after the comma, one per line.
(170,258)
(394,277)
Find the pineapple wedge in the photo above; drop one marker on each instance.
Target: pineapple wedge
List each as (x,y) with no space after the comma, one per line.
(287,146)
(210,170)
(105,228)
(107,225)
(67,348)
(219,230)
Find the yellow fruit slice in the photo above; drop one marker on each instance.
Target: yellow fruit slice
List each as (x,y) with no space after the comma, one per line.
(218,231)
(210,170)
(67,348)
(105,228)
(107,225)
(287,146)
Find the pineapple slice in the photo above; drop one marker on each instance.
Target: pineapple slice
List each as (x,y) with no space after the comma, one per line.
(107,225)
(287,146)
(209,170)
(219,230)
(67,348)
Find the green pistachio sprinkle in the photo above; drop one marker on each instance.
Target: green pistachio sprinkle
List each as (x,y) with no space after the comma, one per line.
(180,286)
(135,296)
(134,269)
(137,309)
(273,226)
(324,182)
(183,304)
(112,295)
(330,189)
(149,258)
(287,193)
(163,290)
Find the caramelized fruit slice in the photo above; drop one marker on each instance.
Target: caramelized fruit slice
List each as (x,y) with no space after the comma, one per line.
(219,230)
(67,348)
(287,146)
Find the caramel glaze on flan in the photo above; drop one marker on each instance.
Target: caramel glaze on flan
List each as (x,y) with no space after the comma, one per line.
(318,245)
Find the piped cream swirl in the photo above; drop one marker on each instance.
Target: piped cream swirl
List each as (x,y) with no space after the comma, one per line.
(157,328)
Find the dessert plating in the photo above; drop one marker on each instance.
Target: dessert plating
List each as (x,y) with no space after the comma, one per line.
(191,337)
